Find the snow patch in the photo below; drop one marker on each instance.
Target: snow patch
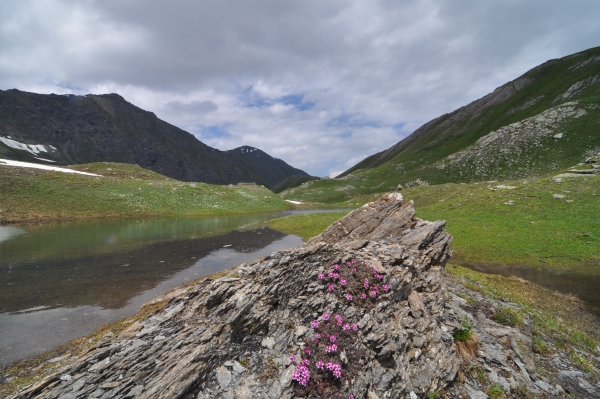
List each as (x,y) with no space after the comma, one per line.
(294,202)
(9,162)
(31,148)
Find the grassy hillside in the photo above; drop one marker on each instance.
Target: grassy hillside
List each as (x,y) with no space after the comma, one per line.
(123,191)
(523,225)
(508,134)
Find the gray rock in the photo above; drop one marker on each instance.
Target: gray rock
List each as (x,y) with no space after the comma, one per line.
(223,376)
(558,196)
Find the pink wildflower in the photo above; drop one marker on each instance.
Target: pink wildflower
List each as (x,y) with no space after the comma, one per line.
(366,285)
(355,326)
(335,368)
(318,336)
(325,316)
(338,319)
(321,276)
(386,287)
(330,274)
(314,324)
(348,263)
(373,294)
(320,364)
(346,327)
(307,351)
(330,287)
(351,397)
(331,338)
(363,296)
(349,297)
(343,282)
(354,261)
(292,358)
(302,374)
(336,267)
(354,271)
(331,348)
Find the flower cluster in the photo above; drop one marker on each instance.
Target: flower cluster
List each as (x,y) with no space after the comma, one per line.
(302,373)
(355,282)
(320,372)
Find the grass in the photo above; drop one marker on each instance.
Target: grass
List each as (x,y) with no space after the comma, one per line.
(508,316)
(524,226)
(306,226)
(31,195)
(557,318)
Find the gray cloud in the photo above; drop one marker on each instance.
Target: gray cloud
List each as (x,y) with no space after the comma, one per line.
(320,84)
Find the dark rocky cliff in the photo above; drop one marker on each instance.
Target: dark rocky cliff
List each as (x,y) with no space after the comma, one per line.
(107,128)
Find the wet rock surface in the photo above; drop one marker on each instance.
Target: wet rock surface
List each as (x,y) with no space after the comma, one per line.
(232,337)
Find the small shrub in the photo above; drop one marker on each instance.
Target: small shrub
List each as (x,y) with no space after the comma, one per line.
(539,346)
(433,395)
(508,316)
(496,392)
(467,343)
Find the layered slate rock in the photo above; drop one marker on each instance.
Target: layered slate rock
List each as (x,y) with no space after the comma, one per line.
(232,337)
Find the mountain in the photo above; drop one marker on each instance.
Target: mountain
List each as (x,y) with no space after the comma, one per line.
(70,129)
(292,181)
(543,121)
(273,170)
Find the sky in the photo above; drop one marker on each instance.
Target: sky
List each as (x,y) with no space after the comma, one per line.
(320,84)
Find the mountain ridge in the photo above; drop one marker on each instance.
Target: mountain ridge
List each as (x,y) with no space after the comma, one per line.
(274,170)
(70,129)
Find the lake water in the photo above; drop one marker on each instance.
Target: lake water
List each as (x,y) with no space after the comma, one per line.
(61,281)
(583,281)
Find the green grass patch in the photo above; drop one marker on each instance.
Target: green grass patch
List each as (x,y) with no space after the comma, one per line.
(306,226)
(508,316)
(124,190)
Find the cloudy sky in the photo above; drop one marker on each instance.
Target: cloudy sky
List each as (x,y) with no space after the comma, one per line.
(321,84)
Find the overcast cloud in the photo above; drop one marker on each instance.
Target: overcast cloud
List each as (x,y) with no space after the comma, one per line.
(321,84)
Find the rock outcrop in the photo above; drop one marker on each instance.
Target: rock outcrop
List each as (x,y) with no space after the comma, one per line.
(361,311)
(233,337)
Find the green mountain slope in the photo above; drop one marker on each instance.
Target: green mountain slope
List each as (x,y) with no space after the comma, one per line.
(273,170)
(544,121)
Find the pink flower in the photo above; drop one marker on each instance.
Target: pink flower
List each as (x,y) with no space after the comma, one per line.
(338,319)
(330,274)
(386,287)
(354,261)
(342,282)
(373,294)
(354,271)
(351,397)
(346,327)
(330,287)
(320,364)
(307,351)
(366,285)
(314,324)
(349,297)
(318,336)
(336,267)
(331,348)
(302,374)
(363,296)
(355,327)
(335,368)
(321,276)
(292,358)
(325,316)
(331,338)
(348,263)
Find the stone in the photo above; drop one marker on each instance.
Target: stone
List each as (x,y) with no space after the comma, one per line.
(558,136)
(268,343)
(223,376)
(559,196)
(238,368)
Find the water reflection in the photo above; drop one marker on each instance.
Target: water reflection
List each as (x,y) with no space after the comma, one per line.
(59,282)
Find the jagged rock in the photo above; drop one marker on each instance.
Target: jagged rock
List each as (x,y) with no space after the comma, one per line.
(234,337)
